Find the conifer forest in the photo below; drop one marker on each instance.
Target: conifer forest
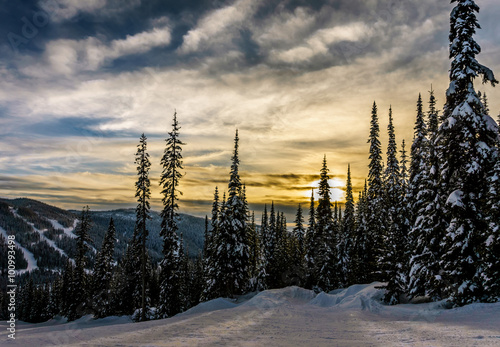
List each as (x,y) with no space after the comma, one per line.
(426,226)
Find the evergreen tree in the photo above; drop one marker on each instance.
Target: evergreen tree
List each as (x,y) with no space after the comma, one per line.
(185,277)
(232,253)
(54,306)
(394,241)
(254,245)
(132,263)
(143,194)
(310,244)
(375,216)
(404,215)
(169,182)
(348,232)
(66,287)
(270,250)
(212,286)
(428,229)
(263,276)
(486,108)
(299,245)
(78,302)
(419,159)
(360,240)
(237,219)
(466,149)
(103,273)
(299,231)
(491,275)
(327,265)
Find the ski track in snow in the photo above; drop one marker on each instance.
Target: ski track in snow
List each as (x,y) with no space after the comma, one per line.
(285,317)
(45,238)
(68,231)
(30,258)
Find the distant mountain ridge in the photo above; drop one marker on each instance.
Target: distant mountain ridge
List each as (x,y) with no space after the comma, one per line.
(45,234)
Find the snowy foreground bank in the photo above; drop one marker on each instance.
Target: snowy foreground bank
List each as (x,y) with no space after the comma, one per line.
(284,317)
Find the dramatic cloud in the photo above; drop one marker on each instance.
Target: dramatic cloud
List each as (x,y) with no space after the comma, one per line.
(70,56)
(296,78)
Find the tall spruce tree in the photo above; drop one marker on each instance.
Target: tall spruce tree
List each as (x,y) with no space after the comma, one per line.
(103,274)
(264,249)
(419,159)
(212,285)
(466,149)
(143,194)
(299,231)
(405,215)
(232,253)
(310,257)
(326,268)
(348,232)
(375,216)
(78,297)
(270,249)
(491,275)
(299,245)
(360,242)
(169,274)
(392,258)
(429,225)
(236,218)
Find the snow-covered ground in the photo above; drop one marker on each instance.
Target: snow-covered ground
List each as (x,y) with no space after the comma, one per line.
(30,258)
(45,238)
(285,317)
(68,231)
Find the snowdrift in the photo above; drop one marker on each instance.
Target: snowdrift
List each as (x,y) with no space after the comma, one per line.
(291,316)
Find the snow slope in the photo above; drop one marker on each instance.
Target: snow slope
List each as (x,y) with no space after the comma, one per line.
(67,231)
(45,238)
(285,317)
(30,258)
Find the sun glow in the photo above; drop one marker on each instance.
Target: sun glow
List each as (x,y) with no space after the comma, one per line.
(337,192)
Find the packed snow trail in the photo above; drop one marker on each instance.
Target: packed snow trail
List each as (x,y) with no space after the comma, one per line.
(285,317)
(68,231)
(28,256)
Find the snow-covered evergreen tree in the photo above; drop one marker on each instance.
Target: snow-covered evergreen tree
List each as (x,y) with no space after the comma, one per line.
(103,274)
(169,274)
(232,254)
(467,153)
(419,160)
(404,214)
(299,231)
(298,246)
(255,256)
(210,247)
(360,240)
(270,246)
(491,275)
(143,194)
(348,233)
(310,251)
(375,204)
(394,243)
(67,287)
(236,218)
(78,298)
(428,229)
(327,268)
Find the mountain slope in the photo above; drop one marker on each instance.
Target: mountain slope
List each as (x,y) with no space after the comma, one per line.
(45,234)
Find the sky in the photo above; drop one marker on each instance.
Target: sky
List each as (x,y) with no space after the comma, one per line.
(80,81)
